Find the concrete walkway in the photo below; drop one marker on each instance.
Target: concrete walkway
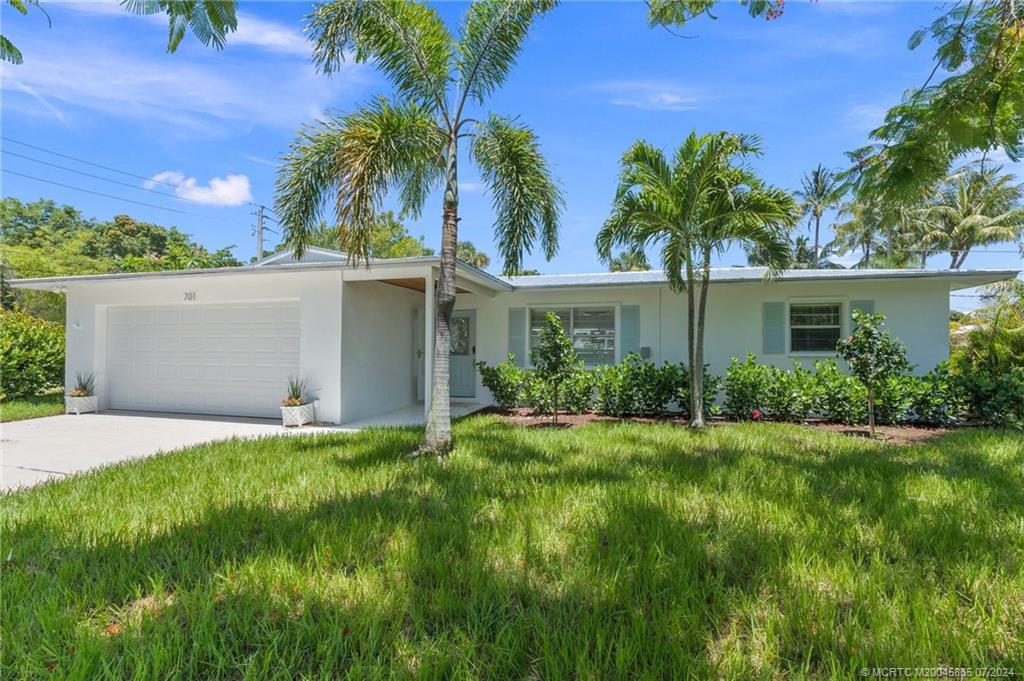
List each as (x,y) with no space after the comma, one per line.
(35,450)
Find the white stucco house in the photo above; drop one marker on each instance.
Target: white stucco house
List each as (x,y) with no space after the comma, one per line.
(225,341)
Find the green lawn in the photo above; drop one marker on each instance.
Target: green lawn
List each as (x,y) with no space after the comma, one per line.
(31,407)
(604,551)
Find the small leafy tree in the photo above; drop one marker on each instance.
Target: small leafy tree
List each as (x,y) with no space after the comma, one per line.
(873,355)
(554,358)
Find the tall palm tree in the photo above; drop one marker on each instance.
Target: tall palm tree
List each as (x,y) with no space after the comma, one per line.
(411,145)
(694,207)
(467,253)
(974,207)
(631,260)
(861,231)
(820,190)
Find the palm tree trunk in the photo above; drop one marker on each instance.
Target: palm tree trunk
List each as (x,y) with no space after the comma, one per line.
(691,311)
(697,369)
(817,230)
(952,259)
(438,439)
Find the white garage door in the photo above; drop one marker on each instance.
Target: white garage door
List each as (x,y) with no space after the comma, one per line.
(202,359)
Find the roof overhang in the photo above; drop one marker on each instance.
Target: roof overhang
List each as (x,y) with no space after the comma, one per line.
(468,277)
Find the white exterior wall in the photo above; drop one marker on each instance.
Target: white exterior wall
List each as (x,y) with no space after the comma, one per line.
(917,312)
(318,294)
(378,369)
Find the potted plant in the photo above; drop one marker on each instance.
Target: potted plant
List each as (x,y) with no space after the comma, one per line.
(297,409)
(82,398)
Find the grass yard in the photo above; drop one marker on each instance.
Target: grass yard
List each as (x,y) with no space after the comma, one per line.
(31,407)
(604,551)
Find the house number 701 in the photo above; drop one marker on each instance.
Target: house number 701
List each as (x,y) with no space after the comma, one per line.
(190,295)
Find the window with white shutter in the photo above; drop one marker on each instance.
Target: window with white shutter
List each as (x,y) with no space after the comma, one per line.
(592,330)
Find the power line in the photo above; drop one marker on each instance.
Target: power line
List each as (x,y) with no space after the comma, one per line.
(98,177)
(111,196)
(101,166)
(89,163)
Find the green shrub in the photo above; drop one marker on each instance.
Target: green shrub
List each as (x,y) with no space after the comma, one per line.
(636,387)
(505,381)
(839,397)
(789,395)
(31,354)
(937,400)
(535,393)
(615,396)
(746,388)
(895,398)
(712,386)
(997,399)
(578,392)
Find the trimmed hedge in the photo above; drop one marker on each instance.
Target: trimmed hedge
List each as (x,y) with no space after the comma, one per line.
(636,387)
(31,354)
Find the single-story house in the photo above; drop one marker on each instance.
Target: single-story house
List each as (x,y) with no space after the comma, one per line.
(224,341)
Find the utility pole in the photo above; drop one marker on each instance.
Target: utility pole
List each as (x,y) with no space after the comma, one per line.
(259,233)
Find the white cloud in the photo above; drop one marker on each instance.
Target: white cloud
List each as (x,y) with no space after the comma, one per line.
(470,187)
(233,190)
(252,30)
(649,94)
(206,96)
(269,35)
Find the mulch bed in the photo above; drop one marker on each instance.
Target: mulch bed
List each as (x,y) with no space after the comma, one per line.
(900,435)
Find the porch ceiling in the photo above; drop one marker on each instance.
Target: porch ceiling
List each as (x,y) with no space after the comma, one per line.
(416,284)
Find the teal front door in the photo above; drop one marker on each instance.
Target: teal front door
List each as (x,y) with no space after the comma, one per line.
(463,357)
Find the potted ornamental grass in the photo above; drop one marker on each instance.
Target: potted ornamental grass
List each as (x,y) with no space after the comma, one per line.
(297,409)
(82,398)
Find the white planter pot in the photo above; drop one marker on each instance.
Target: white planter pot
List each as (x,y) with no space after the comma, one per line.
(81,405)
(298,416)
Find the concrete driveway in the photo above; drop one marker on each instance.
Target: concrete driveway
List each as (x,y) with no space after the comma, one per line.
(35,450)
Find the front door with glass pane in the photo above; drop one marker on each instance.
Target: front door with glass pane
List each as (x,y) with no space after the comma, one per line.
(463,357)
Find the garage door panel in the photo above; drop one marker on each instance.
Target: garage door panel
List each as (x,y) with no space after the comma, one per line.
(217,359)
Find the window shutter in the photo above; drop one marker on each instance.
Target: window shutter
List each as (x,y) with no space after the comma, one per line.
(773,317)
(517,334)
(865,306)
(629,317)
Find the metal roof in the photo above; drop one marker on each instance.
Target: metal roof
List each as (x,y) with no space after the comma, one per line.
(957,278)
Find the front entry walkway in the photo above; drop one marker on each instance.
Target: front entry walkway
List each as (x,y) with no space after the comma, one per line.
(411,415)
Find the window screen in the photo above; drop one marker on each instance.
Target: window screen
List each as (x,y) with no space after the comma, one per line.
(592,330)
(814,327)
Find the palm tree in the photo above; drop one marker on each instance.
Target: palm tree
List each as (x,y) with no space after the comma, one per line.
(411,145)
(820,190)
(861,231)
(694,207)
(974,207)
(467,253)
(209,20)
(631,260)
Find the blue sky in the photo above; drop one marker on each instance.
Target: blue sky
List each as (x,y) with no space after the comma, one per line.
(591,79)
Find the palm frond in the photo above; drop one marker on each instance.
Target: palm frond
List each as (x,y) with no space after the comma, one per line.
(358,159)
(492,33)
(209,20)
(526,199)
(407,41)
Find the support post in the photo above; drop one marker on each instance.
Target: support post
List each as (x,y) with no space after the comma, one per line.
(428,340)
